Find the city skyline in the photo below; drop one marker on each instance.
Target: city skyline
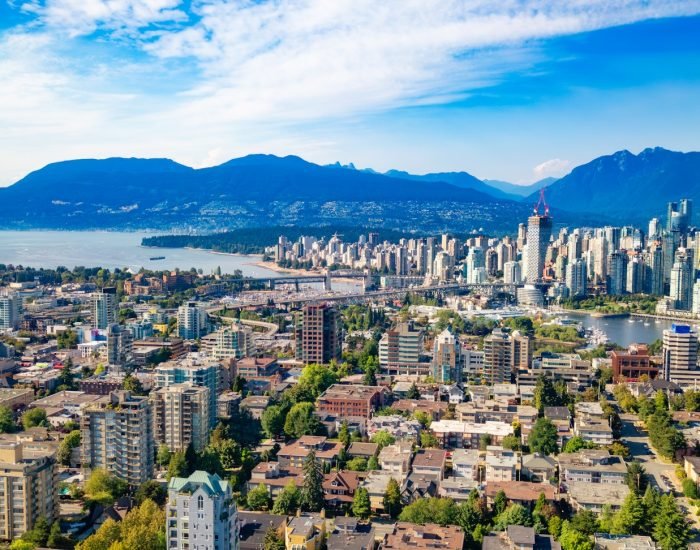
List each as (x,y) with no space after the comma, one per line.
(548,86)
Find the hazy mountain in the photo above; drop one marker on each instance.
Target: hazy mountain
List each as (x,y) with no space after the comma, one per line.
(628,187)
(256,190)
(463,180)
(520,190)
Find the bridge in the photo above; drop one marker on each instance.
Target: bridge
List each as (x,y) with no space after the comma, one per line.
(296,280)
(378,295)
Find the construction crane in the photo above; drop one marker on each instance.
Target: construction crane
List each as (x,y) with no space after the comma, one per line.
(542,202)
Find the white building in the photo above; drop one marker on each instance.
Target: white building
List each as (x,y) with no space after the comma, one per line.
(191,321)
(201,513)
(104,308)
(10,306)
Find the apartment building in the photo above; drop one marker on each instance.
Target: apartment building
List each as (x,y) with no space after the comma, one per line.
(181,416)
(318,334)
(351,400)
(117,435)
(400,350)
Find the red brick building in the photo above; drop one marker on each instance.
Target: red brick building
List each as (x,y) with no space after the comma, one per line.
(351,400)
(633,363)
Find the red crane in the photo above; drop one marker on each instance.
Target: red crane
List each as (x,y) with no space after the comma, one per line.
(542,202)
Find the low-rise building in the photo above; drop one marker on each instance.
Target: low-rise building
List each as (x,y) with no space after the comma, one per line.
(538,467)
(604,541)
(398,426)
(501,464)
(16,398)
(465,463)
(349,534)
(396,458)
(274,477)
(521,492)
(423,537)
(520,538)
(455,434)
(591,466)
(594,496)
(351,400)
(430,462)
(294,453)
(305,532)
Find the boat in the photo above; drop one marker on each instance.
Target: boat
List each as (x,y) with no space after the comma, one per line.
(646,324)
(154,258)
(630,320)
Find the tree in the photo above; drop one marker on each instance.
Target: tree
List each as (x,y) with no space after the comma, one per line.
(372,463)
(671,529)
(360,503)
(631,517)
(585,521)
(484,441)
(370,376)
(177,467)
(238,384)
(383,438)
(259,498)
(636,477)
(39,534)
(273,541)
(151,490)
(511,442)
(103,487)
(572,539)
(357,464)
(318,378)
(515,514)
(56,538)
(577,443)
(301,420)
(690,489)
(543,437)
(66,378)
(288,501)
(272,421)
(428,440)
(442,511)
(424,418)
(344,435)
(19,544)
(413,392)
(7,420)
(392,498)
(545,394)
(33,418)
(164,455)
(500,502)
(312,490)
(65,449)
(132,384)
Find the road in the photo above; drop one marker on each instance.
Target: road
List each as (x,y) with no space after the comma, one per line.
(640,449)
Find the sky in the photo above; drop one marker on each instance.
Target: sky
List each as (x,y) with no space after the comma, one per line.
(515,90)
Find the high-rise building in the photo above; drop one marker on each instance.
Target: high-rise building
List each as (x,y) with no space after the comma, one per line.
(28,487)
(233,342)
(576,279)
(447,358)
(680,350)
(682,280)
(617,272)
(512,273)
(635,275)
(498,356)
(539,231)
(654,228)
(197,370)
(201,513)
(400,350)
(10,307)
(117,435)
(679,216)
(181,416)
(104,308)
(318,334)
(654,271)
(191,321)
(119,345)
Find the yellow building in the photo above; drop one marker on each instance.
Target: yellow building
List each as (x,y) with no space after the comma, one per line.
(28,486)
(305,532)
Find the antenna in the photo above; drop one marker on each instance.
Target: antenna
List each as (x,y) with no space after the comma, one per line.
(542,202)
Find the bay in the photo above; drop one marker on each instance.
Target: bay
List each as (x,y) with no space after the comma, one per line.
(111,249)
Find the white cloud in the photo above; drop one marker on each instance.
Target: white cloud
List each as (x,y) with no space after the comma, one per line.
(551,167)
(264,70)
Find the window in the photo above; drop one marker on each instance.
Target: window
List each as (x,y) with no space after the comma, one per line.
(200,502)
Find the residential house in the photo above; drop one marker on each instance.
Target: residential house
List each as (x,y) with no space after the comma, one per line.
(294,453)
(465,463)
(430,462)
(305,532)
(517,537)
(339,489)
(396,458)
(424,537)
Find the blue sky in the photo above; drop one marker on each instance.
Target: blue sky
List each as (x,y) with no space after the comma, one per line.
(513,90)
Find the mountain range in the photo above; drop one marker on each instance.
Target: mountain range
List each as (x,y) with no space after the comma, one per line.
(265,190)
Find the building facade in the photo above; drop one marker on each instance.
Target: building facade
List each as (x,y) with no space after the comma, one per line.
(318,334)
(181,416)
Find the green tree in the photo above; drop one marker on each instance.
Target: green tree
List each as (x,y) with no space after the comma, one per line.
(151,490)
(372,463)
(383,438)
(103,487)
(312,490)
(164,455)
(500,502)
(19,544)
(357,464)
(671,529)
(690,489)
(33,418)
(585,521)
(66,378)
(344,435)
(360,503)
(259,498)
(511,442)
(272,421)
(543,437)
(65,449)
(39,534)
(636,477)
(288,501)
(7,420)
(318,377)
(413,392)
(57,539)
(514,514)
(301,420)
(571,539)
(369,378)
(428,441)
(392,498)
(177,467)
(545,394)
(273,541)
(577,443)
(133,385)
(631,517)
(442,511)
